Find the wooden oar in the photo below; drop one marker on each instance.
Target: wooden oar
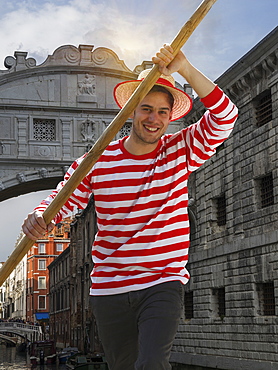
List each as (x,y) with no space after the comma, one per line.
(107,136)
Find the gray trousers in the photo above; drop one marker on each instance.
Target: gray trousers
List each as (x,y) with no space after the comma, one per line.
(137,329)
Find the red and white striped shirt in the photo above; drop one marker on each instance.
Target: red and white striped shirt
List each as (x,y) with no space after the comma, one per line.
(141,203)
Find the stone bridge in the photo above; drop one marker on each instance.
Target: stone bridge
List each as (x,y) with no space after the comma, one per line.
(30,332)
(54,112)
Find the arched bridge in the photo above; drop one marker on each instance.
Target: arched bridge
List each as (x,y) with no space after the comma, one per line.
(53,113)
(7,338)
(31,332)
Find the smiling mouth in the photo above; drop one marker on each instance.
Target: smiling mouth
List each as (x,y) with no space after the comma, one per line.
(151,129)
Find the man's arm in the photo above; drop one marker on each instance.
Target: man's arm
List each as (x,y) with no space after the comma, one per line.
(197,80)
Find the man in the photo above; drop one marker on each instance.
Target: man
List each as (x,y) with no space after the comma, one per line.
(141,198)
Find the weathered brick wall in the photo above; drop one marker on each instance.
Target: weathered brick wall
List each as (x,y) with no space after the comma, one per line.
(243,253)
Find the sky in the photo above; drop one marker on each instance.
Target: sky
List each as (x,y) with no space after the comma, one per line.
(133,29)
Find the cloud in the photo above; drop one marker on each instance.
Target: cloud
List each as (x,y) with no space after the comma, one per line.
(134,33)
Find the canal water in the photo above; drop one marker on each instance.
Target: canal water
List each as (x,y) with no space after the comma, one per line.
(10,359)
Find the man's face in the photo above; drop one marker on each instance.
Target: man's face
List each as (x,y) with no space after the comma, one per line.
(151,119)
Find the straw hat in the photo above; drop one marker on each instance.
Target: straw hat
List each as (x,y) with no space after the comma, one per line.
(182,101)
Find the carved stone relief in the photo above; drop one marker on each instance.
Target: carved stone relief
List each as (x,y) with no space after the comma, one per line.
(87,86)
(88,131)
(86,89)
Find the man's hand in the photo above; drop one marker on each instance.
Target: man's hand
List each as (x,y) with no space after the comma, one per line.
(165,56)
(196,79)
(34,226)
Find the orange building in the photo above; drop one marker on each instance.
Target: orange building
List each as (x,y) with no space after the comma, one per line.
(43,252)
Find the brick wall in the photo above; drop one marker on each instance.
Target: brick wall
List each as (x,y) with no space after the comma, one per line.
(240,257)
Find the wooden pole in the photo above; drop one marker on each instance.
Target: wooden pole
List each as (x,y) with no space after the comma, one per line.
(107,136)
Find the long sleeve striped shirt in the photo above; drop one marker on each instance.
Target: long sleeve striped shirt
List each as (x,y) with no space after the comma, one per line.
(141,203)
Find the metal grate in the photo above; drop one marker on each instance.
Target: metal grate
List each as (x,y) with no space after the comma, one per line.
(125,130)
(221,210)
(264,109)
(44,129)
(267,197)
(188,305)
(268,299)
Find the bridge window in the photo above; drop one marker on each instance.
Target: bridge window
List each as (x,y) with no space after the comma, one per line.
(125,130)
(44,129)
(42,302)
(42,282)
(42,264)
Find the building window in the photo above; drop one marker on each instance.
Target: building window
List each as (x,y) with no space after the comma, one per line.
(59,247)
(266,298)
(266,187)
(42,264)
(42,302)
(221,210)
(219,301)
(42,282)
(263,108)
(41,248)
(44,129)
(188,305)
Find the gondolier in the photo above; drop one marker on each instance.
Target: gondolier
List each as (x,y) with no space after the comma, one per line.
(139,186)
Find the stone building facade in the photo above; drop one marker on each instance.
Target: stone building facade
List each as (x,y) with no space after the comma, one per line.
(71,317)
(231,302)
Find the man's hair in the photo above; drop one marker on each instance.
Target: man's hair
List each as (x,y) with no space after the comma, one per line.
(157,88)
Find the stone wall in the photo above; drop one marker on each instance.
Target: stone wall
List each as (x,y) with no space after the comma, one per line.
(238,258)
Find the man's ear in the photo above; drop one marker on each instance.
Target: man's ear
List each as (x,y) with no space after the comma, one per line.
(132,115)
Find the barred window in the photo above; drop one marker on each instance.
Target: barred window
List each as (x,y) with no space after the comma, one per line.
(263,108)
(266,298)
(221,210)
(266,186)
(125,130)
(44,129)
(188,305)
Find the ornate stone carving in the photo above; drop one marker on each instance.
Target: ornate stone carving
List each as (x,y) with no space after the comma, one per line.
(64,55)
(21,177)
(44,151)
(88,131)
(19,62)
(100,56)
(87,86)
(43,172)
(106,57)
